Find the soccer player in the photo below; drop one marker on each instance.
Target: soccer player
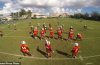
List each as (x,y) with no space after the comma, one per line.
(71,28)
(35,32)
(59,32)
(48,48)
(79,36)
(85,26)
(51,33)
(42,33)
(25,49)
(71,34)
(1,34)
(75,50)
(61,28)
(49,25)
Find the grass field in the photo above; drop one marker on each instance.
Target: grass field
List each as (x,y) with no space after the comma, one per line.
(89,47)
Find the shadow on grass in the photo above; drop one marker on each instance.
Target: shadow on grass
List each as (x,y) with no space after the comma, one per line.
(63,53)
(55,33)
(42,52)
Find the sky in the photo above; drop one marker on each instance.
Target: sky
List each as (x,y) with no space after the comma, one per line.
(50,6)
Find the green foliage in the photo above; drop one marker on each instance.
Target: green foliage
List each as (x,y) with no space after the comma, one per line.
(93,16)
(21,13)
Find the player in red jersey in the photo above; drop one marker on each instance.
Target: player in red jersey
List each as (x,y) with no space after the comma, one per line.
(25,49)
(75,50)
(51,33)
(42,32)
(61,28)
(71,34)
(45,30)
(59,32)
(79,36)
(48,48)
(35,32)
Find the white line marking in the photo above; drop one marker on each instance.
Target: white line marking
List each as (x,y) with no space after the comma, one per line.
(89,63)
(92,56)
(32,57)
(80,57)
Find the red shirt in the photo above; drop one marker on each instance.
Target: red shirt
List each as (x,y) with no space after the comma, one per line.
(24,48)
(71,34)
(59,32)
(42,32)
(75,49)
(79,35)
(35,32)
(51,33)
(48,46)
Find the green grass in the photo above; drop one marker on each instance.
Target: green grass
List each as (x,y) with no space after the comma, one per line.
(90,45)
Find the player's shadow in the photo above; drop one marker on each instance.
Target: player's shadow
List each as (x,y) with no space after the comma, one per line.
(63,53)
(56,33)
(42,52)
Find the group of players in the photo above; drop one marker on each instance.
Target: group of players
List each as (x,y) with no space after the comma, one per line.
(60,31)
(49,51)
(26,51)
(35,33)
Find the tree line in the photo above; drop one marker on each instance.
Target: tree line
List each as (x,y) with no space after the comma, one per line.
(21,13)
(88,16)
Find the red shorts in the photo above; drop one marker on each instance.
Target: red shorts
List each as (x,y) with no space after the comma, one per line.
(59,35)
(35,34)
(42,35)
(71,37)
(24,51)
(75,53)
(79,37)
(51,35)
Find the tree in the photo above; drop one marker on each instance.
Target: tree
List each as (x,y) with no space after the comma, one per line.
(78,15)
(86,16)
(29,13)
(22,12)
(95,15)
